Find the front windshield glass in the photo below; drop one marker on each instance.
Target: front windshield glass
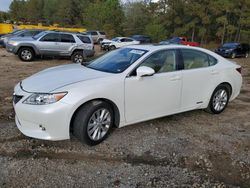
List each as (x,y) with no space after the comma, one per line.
(174,40)
(115,39)
(117,61)
(15,32)
(38,35)
(229,45)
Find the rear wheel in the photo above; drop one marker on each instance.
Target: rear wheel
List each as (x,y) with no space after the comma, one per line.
(26,54)
(219,100)
(78,57)
(93,122)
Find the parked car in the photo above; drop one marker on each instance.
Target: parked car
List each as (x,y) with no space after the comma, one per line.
(180,40)
(123,87)
(19,33)
(144,39)
(117,42)
(234,49)
(51,43)
(97,36)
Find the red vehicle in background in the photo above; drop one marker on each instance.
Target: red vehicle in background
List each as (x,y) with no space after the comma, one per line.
(180,40)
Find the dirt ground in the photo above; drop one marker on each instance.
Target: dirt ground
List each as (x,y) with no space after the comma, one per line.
(192,149)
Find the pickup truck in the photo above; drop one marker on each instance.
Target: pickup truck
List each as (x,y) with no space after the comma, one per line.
(180,40)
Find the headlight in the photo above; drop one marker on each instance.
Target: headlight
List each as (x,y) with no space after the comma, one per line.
(44,98)
(12,43)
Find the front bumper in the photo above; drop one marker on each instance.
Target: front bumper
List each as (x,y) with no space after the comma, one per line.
(105,46)
(11,48)
(47,122)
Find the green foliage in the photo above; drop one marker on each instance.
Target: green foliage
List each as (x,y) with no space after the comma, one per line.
(198,20)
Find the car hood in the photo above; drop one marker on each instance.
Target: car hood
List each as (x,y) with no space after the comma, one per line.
(57,77)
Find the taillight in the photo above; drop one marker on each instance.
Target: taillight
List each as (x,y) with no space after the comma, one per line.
(239,69)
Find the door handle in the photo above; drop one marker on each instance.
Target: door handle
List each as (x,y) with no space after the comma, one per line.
(175,78)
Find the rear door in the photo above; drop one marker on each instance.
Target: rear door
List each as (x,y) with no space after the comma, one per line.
(49,44)
(199,78)
(87,43)
(66,43)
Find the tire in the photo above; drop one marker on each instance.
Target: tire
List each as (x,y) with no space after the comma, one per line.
(112,48)
(89,131)
(26,54)
(233,55)
(219,100)
(78,57)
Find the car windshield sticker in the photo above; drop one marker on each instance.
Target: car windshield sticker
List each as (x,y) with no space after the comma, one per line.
(139,52)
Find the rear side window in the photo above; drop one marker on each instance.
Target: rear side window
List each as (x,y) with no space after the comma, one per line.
(102,33)
(193,59)
(51,37)
(212,60)
(67,38)
(84,39)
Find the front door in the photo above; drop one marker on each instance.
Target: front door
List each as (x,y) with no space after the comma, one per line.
(157,95)
(49,44)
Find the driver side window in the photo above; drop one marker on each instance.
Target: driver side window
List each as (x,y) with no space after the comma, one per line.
(162,61)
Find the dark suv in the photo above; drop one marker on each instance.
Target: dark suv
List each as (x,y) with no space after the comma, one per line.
(144,39)
(233,49)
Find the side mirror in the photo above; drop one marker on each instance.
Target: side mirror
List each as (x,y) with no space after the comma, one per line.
(144,71)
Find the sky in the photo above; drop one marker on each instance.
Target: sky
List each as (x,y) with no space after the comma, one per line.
(4,4)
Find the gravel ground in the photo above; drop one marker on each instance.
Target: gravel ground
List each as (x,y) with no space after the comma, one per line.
(192,149)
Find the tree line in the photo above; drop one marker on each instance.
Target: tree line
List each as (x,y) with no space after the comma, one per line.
(199,20)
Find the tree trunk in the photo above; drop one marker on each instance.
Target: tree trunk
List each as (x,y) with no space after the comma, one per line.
(223,35)
(193,34)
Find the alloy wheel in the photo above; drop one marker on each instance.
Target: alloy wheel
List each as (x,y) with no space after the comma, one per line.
(220,100)
(26,55)
(78,58)
(99,124)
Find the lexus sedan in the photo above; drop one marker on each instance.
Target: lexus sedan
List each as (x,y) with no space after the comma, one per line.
(123,87)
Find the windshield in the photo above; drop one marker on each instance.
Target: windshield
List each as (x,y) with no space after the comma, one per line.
(117,61)
(115,39)
(15,32)
(174,40)
(230,45)
(38,35)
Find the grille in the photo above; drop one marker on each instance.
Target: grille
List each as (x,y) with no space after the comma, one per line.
(17,98)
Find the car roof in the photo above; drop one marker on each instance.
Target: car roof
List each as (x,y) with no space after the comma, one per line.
(153,47)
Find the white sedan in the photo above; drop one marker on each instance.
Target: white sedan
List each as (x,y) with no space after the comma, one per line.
(123,87)
(118,42)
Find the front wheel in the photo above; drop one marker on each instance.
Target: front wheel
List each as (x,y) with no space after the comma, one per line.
(233,55)
(93,122)
(26,54)
(219,100)
(112,48)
